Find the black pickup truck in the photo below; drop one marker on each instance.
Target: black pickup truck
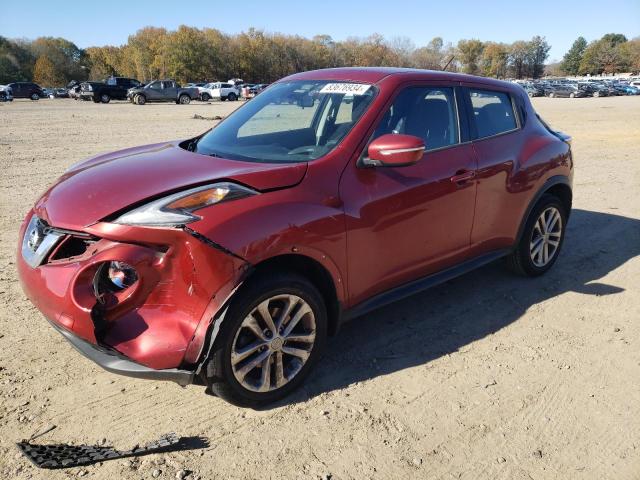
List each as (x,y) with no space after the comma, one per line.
(163,91)
(112,87)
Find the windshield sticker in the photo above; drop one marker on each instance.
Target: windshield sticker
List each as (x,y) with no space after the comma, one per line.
(346,88)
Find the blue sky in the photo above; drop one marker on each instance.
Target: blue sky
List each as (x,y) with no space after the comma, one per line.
(93,22)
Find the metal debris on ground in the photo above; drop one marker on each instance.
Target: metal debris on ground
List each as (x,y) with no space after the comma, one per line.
(200,117)
(64,456)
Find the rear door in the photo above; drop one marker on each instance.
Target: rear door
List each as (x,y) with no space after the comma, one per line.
(170,90)
(498,141)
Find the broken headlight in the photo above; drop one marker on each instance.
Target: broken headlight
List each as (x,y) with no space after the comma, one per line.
(177,209)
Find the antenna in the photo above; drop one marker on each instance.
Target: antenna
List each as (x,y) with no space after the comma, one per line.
(449,62)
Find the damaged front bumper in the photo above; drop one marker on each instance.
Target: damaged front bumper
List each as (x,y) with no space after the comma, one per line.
(159,326)
(114,362)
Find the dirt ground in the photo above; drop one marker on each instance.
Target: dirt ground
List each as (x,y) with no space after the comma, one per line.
(488,376)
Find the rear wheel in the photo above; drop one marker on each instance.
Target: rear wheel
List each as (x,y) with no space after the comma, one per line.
(541,239)
(184,99)
(35,96)
(273,333)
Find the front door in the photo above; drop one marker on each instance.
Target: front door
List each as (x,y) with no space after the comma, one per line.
(407,222)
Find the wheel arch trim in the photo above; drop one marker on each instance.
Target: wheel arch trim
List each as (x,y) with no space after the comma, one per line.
(556,180)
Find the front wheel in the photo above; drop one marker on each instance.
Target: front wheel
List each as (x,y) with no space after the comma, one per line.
(140,100)
(541,239)
(205,97)
(105,98)
(232,97)
(273,333)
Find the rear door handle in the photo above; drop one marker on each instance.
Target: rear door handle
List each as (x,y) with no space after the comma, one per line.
(463,176)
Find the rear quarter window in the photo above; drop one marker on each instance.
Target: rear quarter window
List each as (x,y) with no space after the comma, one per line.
(492,112)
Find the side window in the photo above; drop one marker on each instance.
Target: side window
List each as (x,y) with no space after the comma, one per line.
(156,85)
(492,112)
(426,112)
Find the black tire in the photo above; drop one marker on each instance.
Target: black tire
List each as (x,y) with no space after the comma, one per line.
(35,96)
(232,97)
(184,99)
(140,99)
(219,374)
(520,261)
(105,98)
(205,97)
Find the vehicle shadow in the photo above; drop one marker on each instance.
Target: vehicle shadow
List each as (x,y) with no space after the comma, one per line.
(444,319)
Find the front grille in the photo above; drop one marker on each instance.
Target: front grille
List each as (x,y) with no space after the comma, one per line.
(71,246)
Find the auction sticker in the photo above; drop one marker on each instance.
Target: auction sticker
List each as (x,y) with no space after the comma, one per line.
(346,88)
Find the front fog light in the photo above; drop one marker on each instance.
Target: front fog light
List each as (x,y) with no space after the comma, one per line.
(122,275)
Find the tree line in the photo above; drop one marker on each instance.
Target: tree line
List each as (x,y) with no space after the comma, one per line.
(192,54)
(612,53)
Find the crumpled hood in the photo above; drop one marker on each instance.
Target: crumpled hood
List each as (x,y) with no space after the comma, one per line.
(108,183)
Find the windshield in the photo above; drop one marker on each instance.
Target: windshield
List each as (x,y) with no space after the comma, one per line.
(289,122)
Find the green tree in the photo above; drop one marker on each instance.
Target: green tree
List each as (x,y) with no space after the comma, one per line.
(606,55)
(470,54)
(69,60)
(572,59)
(16,61)
(494,60)
(518,55)
(631,52)
(537,56)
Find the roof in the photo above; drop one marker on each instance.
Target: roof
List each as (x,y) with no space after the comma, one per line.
(376,74)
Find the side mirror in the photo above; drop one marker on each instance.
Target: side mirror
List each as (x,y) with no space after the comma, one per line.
(394,150)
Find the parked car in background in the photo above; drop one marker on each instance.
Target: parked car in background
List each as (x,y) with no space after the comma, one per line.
(599,90)
(533,90)
(567,90)
(219,91)
(48,92)
(5,94)
(112,88)
(27,90)
(162,91)
(227,259)
(199,86)
(73,89)
(61,93)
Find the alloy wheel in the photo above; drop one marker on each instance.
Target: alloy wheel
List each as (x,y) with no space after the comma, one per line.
(545,237)
(273,343)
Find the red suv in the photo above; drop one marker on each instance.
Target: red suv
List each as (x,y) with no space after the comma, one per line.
(227,259)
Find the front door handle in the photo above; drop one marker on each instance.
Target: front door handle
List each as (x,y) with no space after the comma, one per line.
(463,176)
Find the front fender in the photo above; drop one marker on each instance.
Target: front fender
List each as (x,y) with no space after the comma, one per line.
(277,223)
